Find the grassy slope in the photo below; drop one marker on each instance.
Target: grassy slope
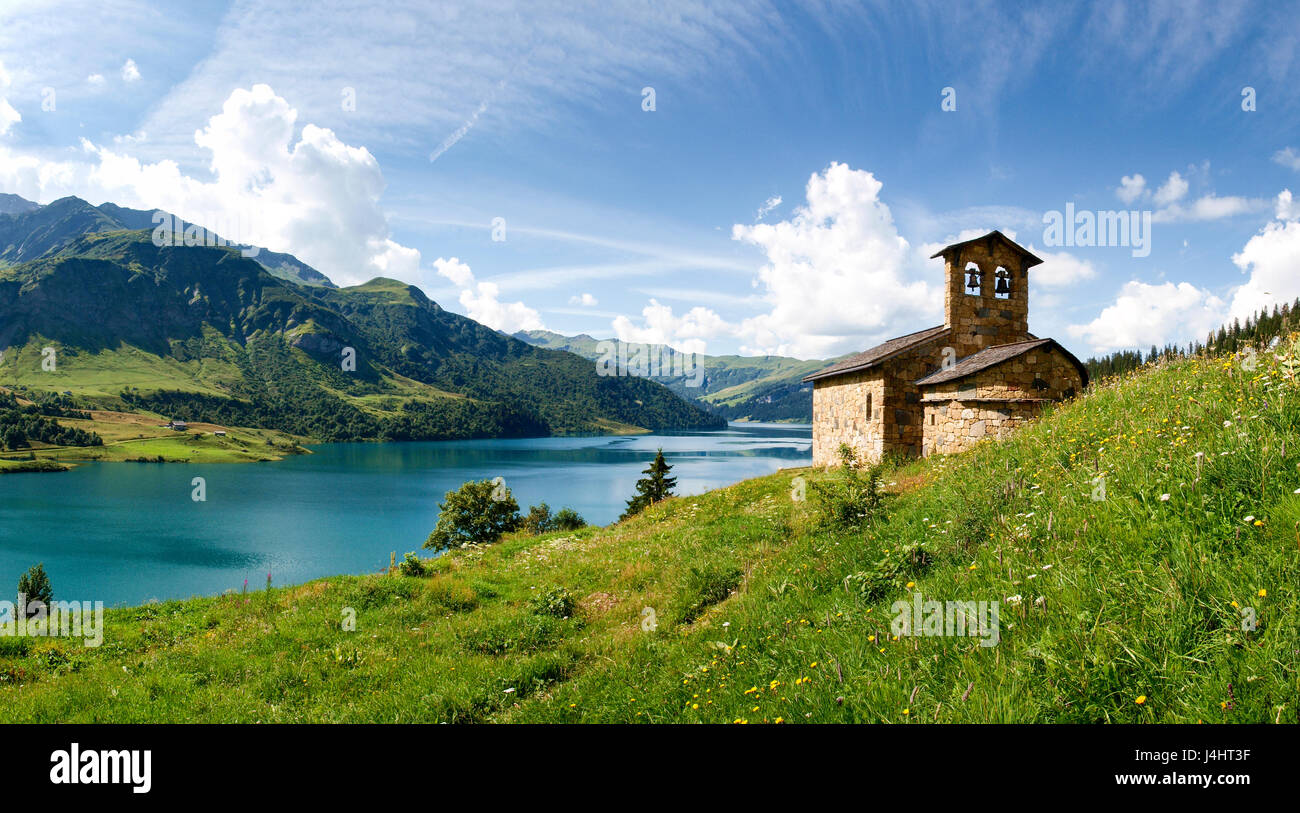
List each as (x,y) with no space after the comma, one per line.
(1138,598)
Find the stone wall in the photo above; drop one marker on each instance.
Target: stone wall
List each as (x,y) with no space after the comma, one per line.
(903,430)
(840,415)
(996,401)
(955,426)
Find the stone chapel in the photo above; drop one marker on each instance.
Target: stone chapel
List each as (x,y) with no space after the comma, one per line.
(940,390)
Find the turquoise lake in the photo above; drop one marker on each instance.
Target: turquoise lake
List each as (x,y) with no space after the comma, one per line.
(126,533)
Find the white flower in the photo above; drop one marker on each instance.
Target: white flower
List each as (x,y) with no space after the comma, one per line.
(1014,600)
(1250,518)
(1164,498)
(1226,424)
(508,691)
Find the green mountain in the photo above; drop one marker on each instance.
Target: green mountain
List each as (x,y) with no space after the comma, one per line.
(205,334)
(34,231)
(756,388)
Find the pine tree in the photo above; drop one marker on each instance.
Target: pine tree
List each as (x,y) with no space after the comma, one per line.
(34,586)
(652,488)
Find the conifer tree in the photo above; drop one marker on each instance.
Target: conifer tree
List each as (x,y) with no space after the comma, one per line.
(652,488)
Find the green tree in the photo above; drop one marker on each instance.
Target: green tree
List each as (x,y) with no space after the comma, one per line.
(476,514)
(34,585)
(657,485)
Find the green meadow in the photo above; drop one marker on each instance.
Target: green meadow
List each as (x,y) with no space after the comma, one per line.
(1143,543)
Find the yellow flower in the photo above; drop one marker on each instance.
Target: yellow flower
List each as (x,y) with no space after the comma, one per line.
(907,711)
(871,637)
(779,720)
(910,585)
(695,706)
(1263,593)
(1141,699)
(812,665)
(1235,604)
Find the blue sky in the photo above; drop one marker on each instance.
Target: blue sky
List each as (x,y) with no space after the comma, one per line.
(664,225)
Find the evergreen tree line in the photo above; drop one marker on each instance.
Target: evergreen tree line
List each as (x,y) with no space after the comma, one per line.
(1257,330)
(20,425)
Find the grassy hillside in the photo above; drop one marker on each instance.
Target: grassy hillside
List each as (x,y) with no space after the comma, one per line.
(1122,609)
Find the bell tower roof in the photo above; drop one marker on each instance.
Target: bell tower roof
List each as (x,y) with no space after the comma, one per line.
(988,241)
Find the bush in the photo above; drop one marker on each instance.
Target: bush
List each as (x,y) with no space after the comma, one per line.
(568,520)
(707,587)
(33,586)
(411,565)
(477,513)
(848,498)
(557,603)
(540,520)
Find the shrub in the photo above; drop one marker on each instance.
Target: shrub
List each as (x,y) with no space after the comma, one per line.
(850,497)
(411,565)
(568,520)
(556,602)
(34,585)
(477,513)
(539,520)
(513,635)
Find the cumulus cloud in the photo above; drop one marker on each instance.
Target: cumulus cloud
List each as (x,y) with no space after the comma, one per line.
(1288,158)
(96,79)
(835,277)
(1060,269)
(1131,187)
(687,333)
(130,73)
(1285,207)
(585,300)
(1173,190)
(8,116)
(1271,258)
(305,192)
(1145,315)
(481,300)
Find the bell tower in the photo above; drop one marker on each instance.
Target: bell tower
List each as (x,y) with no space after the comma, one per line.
(986,292)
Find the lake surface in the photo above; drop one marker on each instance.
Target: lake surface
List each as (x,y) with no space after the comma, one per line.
(125,533)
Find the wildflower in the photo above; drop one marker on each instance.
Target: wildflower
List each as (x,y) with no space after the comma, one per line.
(1263,593)
(910,585)
(1014,600)
(1164,498)
(907,712)
(1141,699)
(1250,518)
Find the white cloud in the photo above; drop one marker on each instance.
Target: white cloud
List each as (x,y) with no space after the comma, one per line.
(1271,257)
(1173,190)
(130,73)
(1059,269)
(586,300)
(835,277)
(1288,158)
(1208,207)
(482,303)
(768,205)
(312,195)
(96,79)
(1145,315)
(686,333)
(1131,187)
(1284,207)
(8,116)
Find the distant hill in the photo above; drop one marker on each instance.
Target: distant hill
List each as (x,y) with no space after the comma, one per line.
(205,334)
(33,231)
(758,388)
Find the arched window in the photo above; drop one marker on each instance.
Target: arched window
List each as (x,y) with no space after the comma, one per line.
(1002,283)
(974,279)
(867,409)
